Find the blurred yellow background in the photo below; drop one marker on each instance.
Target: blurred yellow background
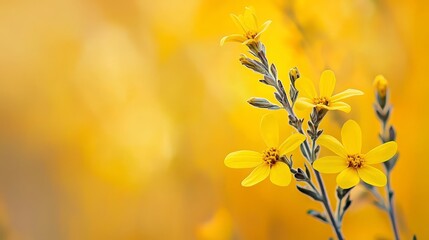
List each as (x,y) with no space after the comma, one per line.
(116,116)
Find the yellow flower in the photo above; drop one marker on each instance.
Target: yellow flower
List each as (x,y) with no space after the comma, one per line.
(267,163)
(249,24)
(351,163)
(308,97)
(380,84)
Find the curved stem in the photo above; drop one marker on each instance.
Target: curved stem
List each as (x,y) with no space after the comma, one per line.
(325,199)
(327,206)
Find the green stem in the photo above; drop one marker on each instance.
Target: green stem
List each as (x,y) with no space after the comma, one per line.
(390,207)
(327,206)
(339,211)
(325,199)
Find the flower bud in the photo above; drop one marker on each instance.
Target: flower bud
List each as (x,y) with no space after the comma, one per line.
(380,84)
(293,75)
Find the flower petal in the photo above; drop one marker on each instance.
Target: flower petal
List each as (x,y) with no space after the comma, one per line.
(232,38)
(243,159)
(270,130)
(306,88)
(372,176)
(263,28)
(291,143)
(346,94)
(280,174)
(237,20)
(348,178)
(249,19)
(327,83)
(330,164)
(381,153)
(342,106)
(332,144)
(351,137)
(249,41)
(257,175)
(303,103)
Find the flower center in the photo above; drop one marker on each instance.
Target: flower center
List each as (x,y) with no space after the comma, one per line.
(271,156)
(320,100)
(355,161)
(251,34)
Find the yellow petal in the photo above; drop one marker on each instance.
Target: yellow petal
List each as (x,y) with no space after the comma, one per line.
(280,174)
(342,106)
(249,19)
(372,176)
(291,143)
(270,130)
(232,38)
(257,175)
(330,164)
(346,94)
(306,88)
(348,178)
(351,137)
(327,83)
(332,144)
(243,159)
(381,153)
(236,19)
(249,41)
(303,103)
(263,28)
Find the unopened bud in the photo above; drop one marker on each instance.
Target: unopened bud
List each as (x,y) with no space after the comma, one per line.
(380,84)
(262,103)
(293,75)
(252,64)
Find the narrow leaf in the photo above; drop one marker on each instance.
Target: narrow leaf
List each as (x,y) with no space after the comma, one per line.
(262,103)
(309,193)
(318,215)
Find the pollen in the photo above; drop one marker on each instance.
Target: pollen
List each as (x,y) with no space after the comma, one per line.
(251,34)
(355,161)
(321,101)
(271,156)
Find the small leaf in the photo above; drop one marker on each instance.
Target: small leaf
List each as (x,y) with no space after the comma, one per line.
(278,97)
(390,164)
(262,103)
(392,133)
(318,215)
(269,80)
(347,204)
(307,171)
(414,237)
(264,82)
(282,89)
(253,64)
(300,177)
(274,71)
(391,193)
(302,148)
(341,193)
(309,193)
(380,205)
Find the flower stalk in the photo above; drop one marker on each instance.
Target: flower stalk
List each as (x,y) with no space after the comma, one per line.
(383,109)
(258,50)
